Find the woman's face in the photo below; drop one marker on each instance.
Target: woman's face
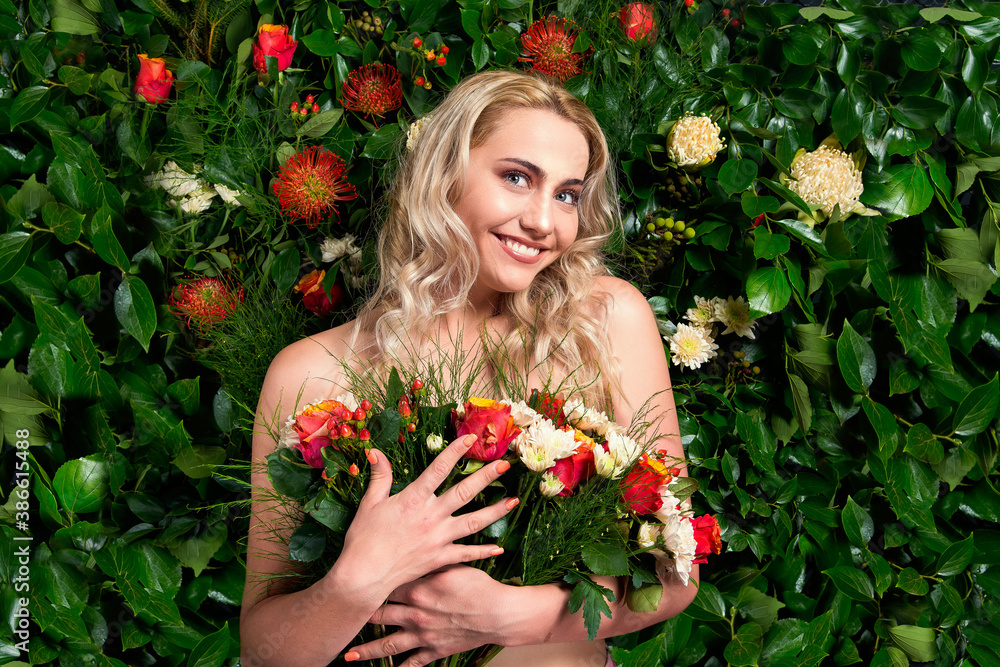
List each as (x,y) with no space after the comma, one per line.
(520,205)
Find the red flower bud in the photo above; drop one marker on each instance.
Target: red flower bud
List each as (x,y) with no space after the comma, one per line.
(417,42)
(154,79)
(353,470)
(707,536)
(637,22)
(295,107)
(309,99)
(417,385)
(273,40)
(366,405)
(445,49)
(364,435)
(411,427)
(419,81)
(441,60)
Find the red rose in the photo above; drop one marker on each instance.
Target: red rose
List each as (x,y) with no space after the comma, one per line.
(641,486)
(491,423)
(273,40)
(638,23)
(574,469)
(316,299)
(549,406)
(154,80)
(708,537)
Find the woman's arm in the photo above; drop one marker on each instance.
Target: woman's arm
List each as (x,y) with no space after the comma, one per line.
(460,608)
(392,540)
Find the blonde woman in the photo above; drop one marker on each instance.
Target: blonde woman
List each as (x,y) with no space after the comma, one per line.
(494,230)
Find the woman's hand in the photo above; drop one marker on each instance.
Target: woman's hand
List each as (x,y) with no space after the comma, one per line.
(396,539)
(457,608)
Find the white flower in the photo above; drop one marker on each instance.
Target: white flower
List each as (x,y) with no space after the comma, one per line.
(605,464)
(348,400)
(227,195)
(694,141)
(550,485)
(584,418)
(542,444)
(624,450)
(358,282)
(522,414)
(196,203)
(825,178)
(678,534)
(287,437)
(413,132)
(691,346)
(435,442)
(648,532)
(735,315)
(703,313)
(176,181)
(334,248)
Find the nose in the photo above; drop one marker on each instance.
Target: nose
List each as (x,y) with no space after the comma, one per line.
(538,214)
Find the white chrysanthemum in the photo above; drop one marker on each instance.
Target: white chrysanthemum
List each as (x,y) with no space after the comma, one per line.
(825,178)
(228,195)
(691,347)
(435,442)
(334,248)
(624,450)
(348,400)
(196,203)
(605,464)
(413,132)
(550,485)
(678,534)
(176,181)
(735,315)
(523,415)
(703,313)
(542,444)
(358,282)
(287,437)
(694,141)
(648,532)
(584,418)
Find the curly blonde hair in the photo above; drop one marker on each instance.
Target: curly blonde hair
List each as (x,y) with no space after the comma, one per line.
(428,261)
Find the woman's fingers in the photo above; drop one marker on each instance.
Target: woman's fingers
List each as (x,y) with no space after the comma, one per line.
(473,522)
(442,465)
(463,492)
(397,642)
(380,482)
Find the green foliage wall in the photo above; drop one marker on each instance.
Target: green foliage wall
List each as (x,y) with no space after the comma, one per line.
(854,473)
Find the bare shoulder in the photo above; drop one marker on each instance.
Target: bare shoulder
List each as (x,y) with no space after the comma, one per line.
(623,304)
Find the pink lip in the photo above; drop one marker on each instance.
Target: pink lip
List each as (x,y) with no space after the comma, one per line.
(521,258)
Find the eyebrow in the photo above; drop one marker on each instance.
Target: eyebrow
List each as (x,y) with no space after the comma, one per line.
(537,171)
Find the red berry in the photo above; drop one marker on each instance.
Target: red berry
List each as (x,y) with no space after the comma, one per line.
(441,60)
(315,108)
(346,430)
(688,3)
(354,469)
(417,42)
(366,405)
(725,13)
(304,110)
(411,427)
(359,415)
(404,410)
(419,81)
(736,23)
(417,385)
(674,472)
(364,435)
(445,49)
(309,99)
(295,107)
(430,55)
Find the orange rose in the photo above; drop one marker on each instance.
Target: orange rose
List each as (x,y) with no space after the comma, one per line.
(312,426)
(315,298)
(641,486)
(491,422)
(273,40)
(707,536)
(154,79)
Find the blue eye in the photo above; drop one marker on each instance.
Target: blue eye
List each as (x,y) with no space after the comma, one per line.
(516,178)
(569,197)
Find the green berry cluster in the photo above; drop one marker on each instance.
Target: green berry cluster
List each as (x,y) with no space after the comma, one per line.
(370,24)
(668,228)
(680,188)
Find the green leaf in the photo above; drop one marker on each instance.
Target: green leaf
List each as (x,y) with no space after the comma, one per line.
(64,222)
(918,112)
(199,461)
(211,651)
(644,598)
(29,103)
(196,551)
(592,597)
(801,402)
(851,582)
(971,279)
(320,124)
(289,475)
(15,247)
(858,523)
(745,647)
(955,466)
(920,51)
(187,392)
(82,484)
(848,108)
(330,512)
(977,409)
(606,560)
(804,233)
(471,20)
(856,359)
(799,46)
(758,607)
(135,310)
(768,291)
(922,445)
(69,17)
(884,424)
(975,68)
(813,13)
(737,175)
(754,205)
(76,79)
(904,191)
(916,642)
(322,43)
(881,570)
(956,558)
(910,581)
(798,103)
(382,142)
(848,64)
(767,245)
(105,243)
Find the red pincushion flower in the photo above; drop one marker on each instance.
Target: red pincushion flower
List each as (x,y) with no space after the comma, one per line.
(154,80)
(311,183)
(373,90)
(707,536)
(273,40)
(205,301)
(548,46)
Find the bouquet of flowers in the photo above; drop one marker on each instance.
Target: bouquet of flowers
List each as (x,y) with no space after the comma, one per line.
(595,501)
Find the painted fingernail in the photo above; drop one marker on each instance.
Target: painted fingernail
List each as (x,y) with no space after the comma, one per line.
(470,440)
(373,460)
(511,503)
(497,551)
(351,656)
(503,466)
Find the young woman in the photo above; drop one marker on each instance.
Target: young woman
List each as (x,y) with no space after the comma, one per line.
(494,231)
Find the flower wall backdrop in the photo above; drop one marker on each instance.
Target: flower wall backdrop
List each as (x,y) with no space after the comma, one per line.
(812,203)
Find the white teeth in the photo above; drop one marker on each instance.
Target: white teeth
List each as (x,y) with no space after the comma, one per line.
(521,249)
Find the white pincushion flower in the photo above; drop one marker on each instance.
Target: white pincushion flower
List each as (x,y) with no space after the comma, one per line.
(825,178)
(227,195)
(550,485)
(198,202)
(334,248)
(694,141)
(176,181)
(435,442)
(413,132)
(691,346)
(703,313)
(735,315)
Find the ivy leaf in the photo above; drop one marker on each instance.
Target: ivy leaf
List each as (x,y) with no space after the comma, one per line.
(852,582)
(858,523)
(856,359)
(592,597)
